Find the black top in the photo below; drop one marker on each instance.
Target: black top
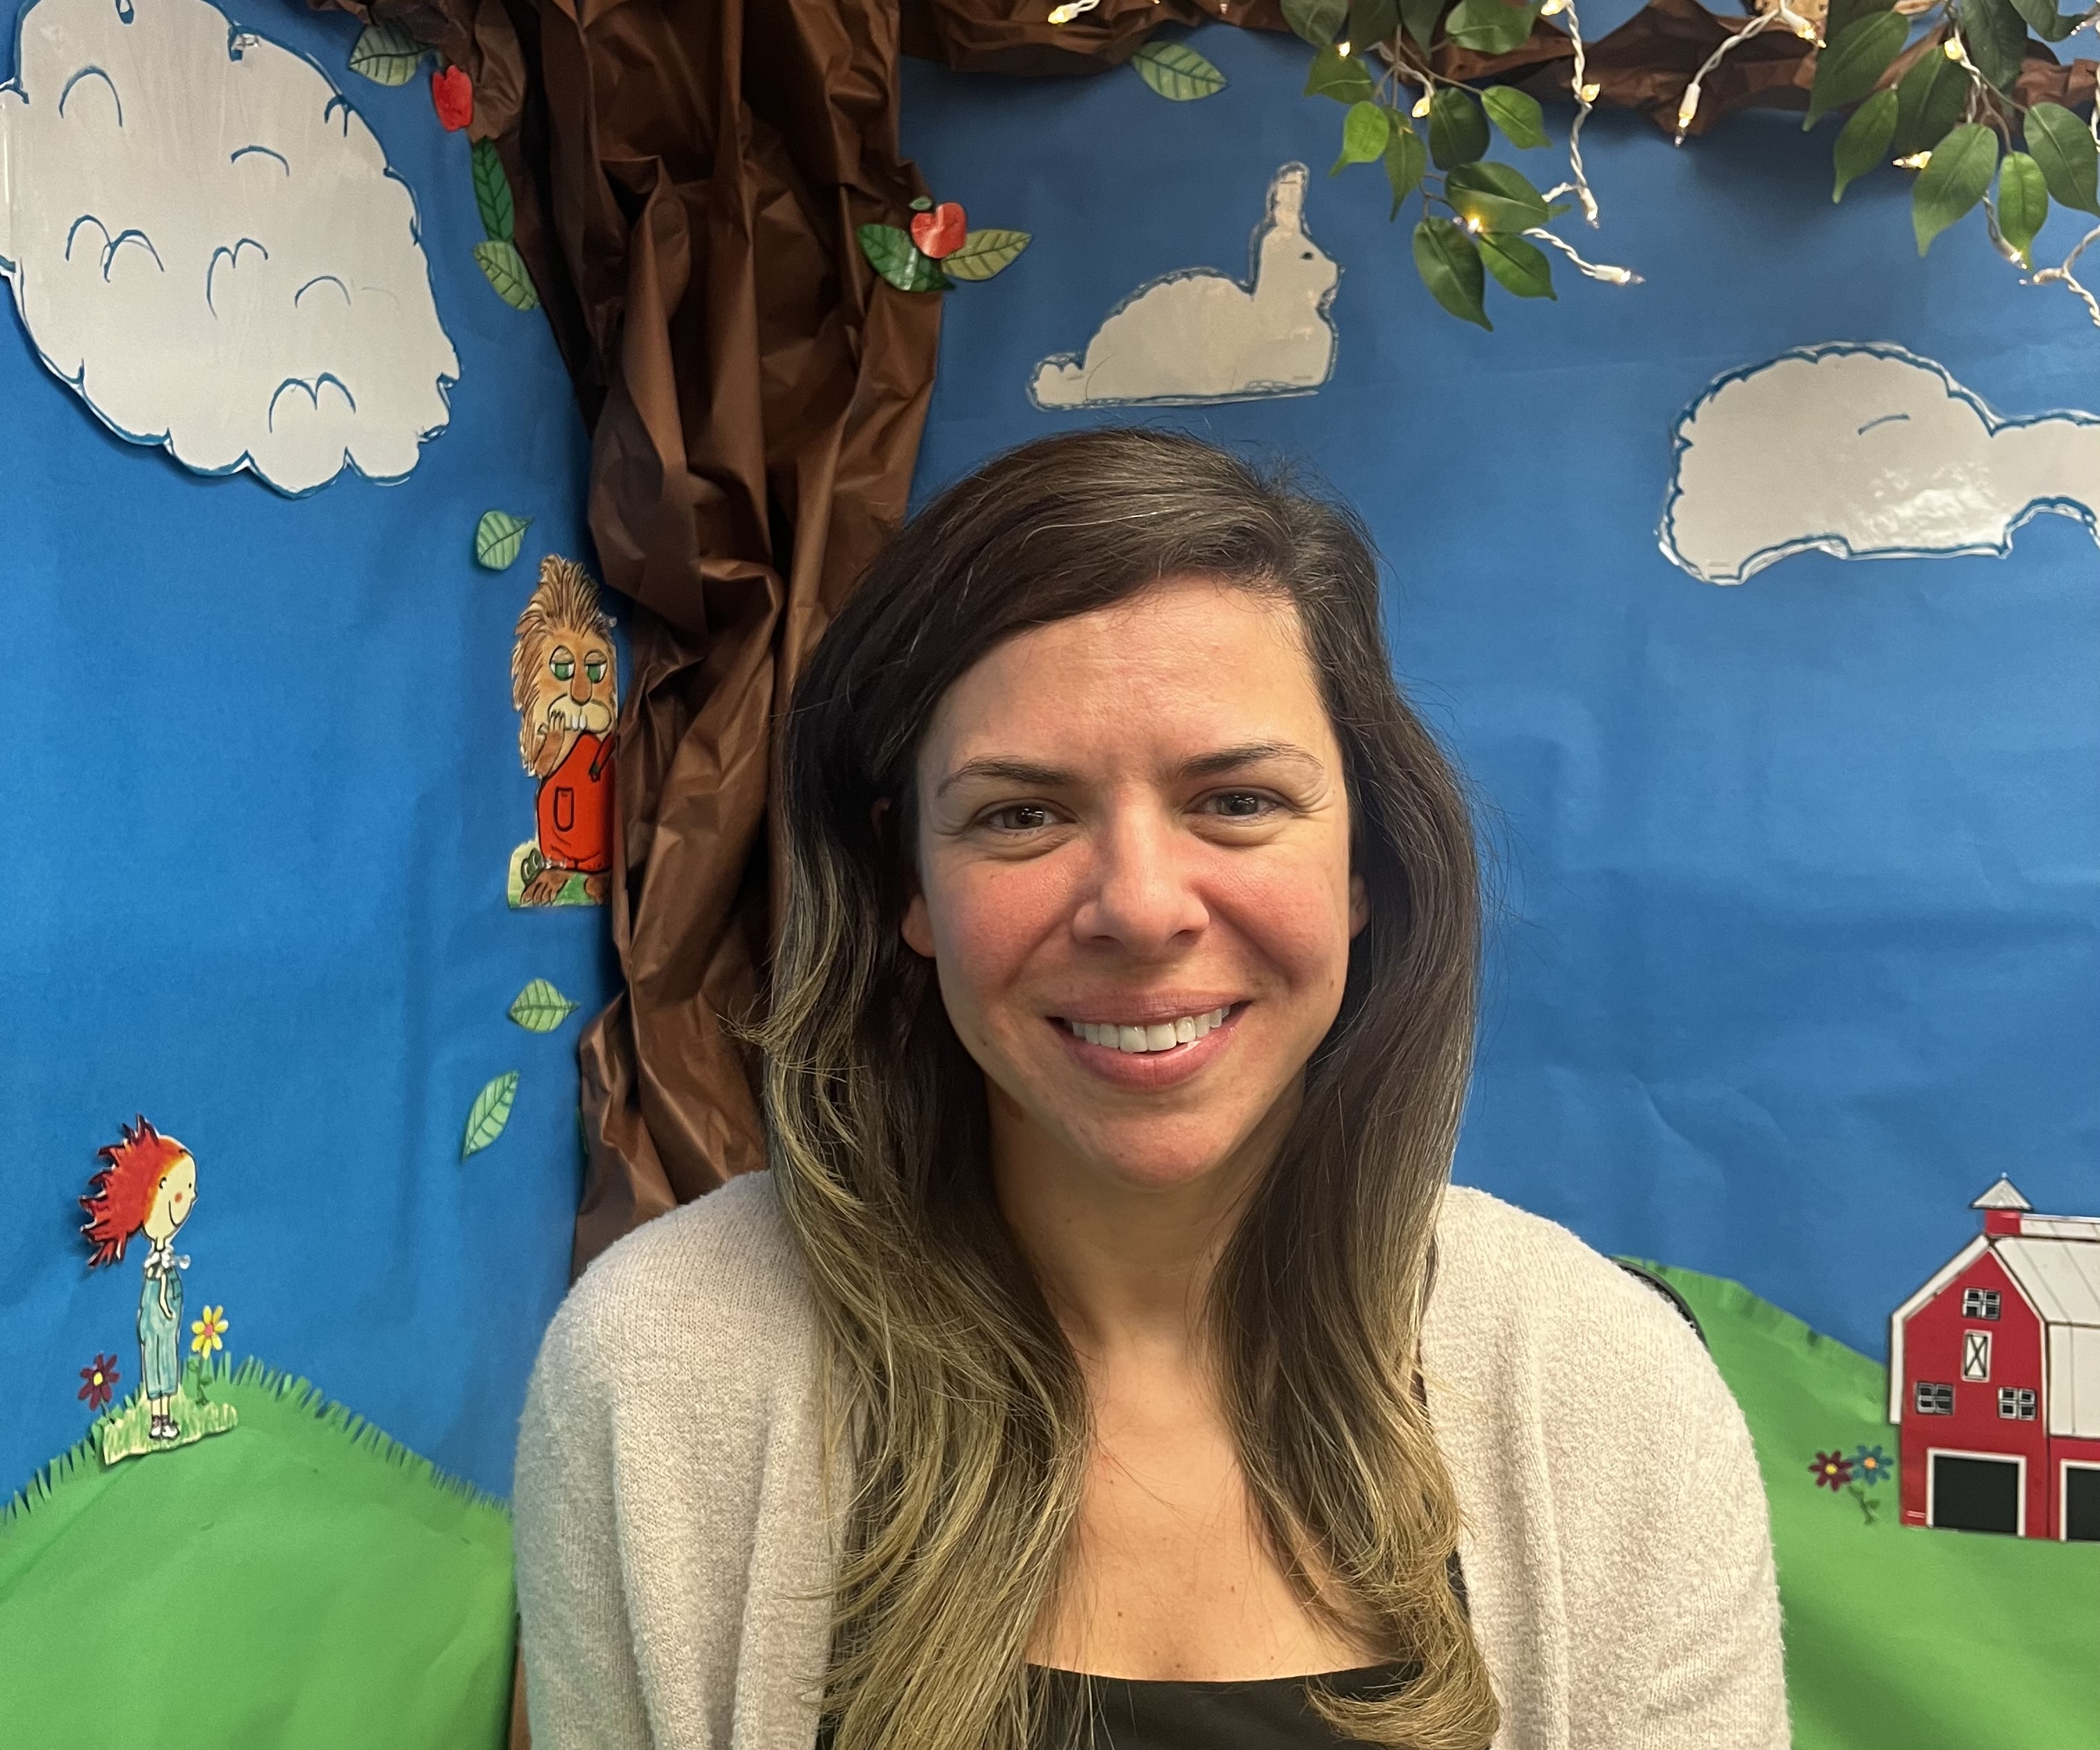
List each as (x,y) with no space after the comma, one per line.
(1129,1713)
(1270,1713)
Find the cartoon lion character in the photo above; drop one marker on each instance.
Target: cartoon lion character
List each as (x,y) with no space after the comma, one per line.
(564,681)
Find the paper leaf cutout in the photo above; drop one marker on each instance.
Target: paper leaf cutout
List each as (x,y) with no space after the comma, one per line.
(505,269)
(1177,72)
(386,55)
(490,1112)
(539,1008)
(492,193)
(497,537)
(893,255)
(984,253)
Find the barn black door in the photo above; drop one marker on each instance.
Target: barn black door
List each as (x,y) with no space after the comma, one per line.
(2081,1504)
(1975,1494)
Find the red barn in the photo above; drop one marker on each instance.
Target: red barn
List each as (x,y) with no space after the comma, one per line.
(1994,1378)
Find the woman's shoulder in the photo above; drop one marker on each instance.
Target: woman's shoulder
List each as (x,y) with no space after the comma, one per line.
(703,1297)
(1514,1293)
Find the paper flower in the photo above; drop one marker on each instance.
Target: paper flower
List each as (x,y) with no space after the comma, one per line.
(453,92)
(97,1379)
(209,1332)
(1870,1465)
(1832,1471)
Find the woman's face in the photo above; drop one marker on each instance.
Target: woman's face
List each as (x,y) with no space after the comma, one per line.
(1134,878)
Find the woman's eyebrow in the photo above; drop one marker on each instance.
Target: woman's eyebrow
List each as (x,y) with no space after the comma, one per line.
(1248,753)
(1005,771)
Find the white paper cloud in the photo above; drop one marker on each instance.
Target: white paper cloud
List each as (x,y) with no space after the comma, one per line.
(206,244)
(1865,452)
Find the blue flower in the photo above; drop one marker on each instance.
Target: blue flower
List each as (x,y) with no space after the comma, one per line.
(1871,1465)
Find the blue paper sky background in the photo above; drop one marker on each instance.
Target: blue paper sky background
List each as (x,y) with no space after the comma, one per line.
(1800,880)
(265,784)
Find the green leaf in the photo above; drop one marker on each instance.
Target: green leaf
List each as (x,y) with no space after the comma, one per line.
(1844,13)
(386,55)
(984,254)
(1995,37)
(1373,21)
(1364,131)
(1518,266)
(1930,100)
(1864,141)
(893,255)
(491,193)
(1962,168)
(1450,267)
(2022,204)
(2043,18)
(1847,71)
(539,1008)
(1317,21)
(1177,72)
(1517,114)
(1457,130)
(506,269)
(497,537)
(1420,17)
(1406,158)
(1489,27)
(2070,163)
(1497,197)
(1341,76)
(490,1112)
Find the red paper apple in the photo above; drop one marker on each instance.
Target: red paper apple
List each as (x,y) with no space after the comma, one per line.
(940,232)
(453,92)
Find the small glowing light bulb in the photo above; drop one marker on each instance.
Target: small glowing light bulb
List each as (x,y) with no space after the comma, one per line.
(1952,48)
(1342,48)
(1553,8)
(1686,110)
(1421,106)
(1473,223)
(1916,160)
(1589,93)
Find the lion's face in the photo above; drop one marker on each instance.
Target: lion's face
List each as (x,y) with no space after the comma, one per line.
(564,677)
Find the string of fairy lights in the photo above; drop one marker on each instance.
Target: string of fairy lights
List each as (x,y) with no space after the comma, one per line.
(1414,71)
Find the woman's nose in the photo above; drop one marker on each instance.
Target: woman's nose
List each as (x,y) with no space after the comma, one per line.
(1142,896)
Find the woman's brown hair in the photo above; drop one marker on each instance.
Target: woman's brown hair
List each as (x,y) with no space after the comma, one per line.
(957,1403)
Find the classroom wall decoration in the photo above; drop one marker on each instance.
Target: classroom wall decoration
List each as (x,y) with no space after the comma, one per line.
(1908,464)
(565,688)
(1197,335)
(207,246)
(275,1267)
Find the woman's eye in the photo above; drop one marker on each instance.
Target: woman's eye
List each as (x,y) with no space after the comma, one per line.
(1019,817)
(1241,805)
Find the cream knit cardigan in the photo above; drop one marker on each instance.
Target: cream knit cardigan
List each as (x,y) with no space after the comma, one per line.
(672,1557)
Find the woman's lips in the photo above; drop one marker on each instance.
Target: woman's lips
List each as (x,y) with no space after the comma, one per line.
(1153,1069)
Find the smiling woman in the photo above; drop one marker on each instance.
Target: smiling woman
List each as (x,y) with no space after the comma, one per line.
(1104,1361)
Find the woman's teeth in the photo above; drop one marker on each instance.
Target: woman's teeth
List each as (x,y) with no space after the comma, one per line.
(1160,1036)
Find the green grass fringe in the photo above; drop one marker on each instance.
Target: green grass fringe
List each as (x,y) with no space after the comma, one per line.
(294,1392)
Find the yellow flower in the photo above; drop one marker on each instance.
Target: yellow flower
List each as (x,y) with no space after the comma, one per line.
(209,1332)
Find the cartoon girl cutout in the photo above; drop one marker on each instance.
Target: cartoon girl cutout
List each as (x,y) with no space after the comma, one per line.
(148,1186)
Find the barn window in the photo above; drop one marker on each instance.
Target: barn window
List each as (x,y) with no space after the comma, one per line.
(1979,1303)
(2016,1403)
(1933,1400)
(1975,1354)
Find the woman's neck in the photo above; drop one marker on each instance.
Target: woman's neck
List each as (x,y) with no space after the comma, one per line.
(1124,1266)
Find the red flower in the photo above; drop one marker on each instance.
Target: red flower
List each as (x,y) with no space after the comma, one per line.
(96,1380)
(453,92)
(940,232)
(1831,1471)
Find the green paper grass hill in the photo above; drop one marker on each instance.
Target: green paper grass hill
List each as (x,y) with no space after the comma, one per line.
(1898,1638)
(297,1582)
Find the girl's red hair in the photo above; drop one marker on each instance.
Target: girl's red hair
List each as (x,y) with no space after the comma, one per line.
(121,1193)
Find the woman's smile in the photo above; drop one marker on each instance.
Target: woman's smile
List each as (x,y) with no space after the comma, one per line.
(1151,1054)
